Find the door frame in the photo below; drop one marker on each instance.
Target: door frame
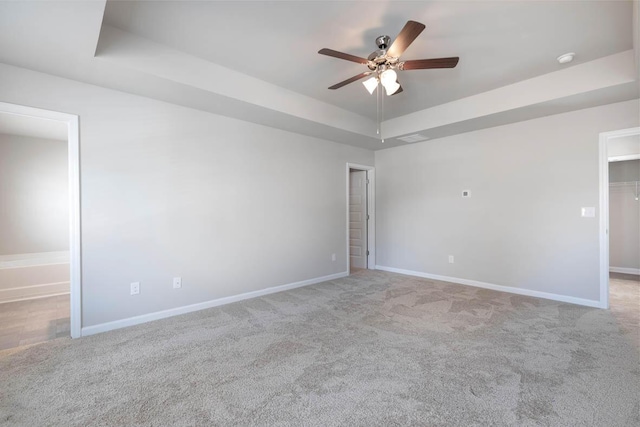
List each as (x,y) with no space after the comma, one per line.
(73,156)
(604,208)
(371,211)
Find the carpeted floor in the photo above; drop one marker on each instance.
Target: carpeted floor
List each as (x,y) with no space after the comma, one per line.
(372,349)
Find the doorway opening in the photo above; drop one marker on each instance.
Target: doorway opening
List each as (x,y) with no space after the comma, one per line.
(620,217)
(360,218)
(40,225)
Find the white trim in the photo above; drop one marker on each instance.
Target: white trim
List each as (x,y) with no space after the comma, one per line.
(371,210)
(136,320)
(42,290)
(603,178)
(603,171)
(624,158)
(36,297)
(34,286)
(500,288)
(75,266)
(625,270)
(75,244)
(34,259)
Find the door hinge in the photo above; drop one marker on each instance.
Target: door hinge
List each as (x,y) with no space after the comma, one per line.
(367,252)
(367,180)
(367,217)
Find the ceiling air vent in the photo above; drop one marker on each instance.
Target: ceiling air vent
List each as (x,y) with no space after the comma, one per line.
(416,137)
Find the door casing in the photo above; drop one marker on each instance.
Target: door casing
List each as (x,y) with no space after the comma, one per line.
(604,209)
(73,136)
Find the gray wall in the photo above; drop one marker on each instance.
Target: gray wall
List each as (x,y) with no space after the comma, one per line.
(624,216)
(229,206)
(522,225)
(34,195)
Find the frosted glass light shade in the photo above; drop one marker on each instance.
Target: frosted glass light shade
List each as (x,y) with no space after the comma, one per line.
(391,88)
(371,84)
(388,77)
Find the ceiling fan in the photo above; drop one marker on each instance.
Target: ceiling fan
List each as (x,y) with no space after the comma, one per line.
(384,62)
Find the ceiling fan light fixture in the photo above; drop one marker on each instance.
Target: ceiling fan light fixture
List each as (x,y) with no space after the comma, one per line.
(384,62)
(388,77)
(391,88)
(371,84)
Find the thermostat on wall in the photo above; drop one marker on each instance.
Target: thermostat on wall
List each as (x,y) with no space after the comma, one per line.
(589,212)
(466,193)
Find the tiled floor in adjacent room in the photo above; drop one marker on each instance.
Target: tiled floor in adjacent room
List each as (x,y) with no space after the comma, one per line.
(33,321)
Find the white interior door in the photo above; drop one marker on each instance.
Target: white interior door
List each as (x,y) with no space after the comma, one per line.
(358,219)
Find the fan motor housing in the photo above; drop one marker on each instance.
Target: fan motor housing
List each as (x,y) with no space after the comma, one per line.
(379,56)
(383,42)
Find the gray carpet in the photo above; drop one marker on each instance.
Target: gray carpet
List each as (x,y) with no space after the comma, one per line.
(372,349)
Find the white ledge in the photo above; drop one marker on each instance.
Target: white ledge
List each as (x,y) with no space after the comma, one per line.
(601,73)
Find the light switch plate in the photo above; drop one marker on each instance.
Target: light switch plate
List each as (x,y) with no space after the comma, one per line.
(588,212)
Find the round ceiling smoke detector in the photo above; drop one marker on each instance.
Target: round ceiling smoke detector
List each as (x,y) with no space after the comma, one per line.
(566,58)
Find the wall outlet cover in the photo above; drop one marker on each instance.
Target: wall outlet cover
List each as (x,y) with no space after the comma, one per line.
(135,288)
(177,282)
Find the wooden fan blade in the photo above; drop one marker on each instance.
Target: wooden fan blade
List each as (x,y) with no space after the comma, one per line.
(341,55)
(411,30)
(398,91)
(351,80)
(423,64)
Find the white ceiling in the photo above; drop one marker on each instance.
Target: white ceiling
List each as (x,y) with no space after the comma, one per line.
(498,42)
(258,61)
(15,124)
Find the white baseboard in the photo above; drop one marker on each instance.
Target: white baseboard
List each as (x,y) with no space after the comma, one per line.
(34,259)
(33,292)
(501,288)
(136,320)
(625,270)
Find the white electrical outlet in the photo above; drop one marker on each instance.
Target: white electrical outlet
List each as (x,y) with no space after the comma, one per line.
(177,282)
(333,257)
(450,259)
(135,288)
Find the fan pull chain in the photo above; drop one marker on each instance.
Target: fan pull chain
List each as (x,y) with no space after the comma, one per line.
(378,109)
(381,114)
